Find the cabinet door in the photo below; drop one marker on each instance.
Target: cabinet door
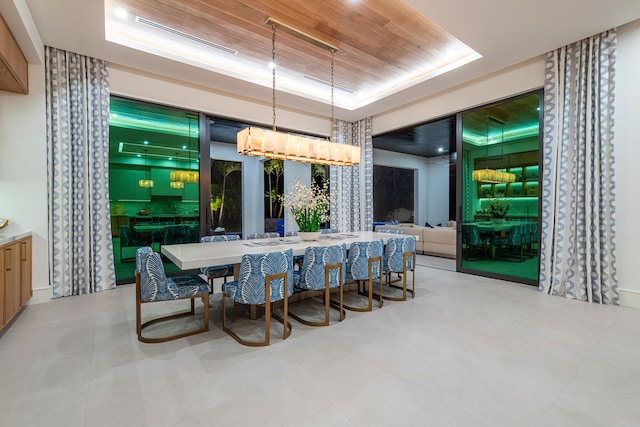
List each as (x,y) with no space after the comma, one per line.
(2,286)
(161,183)
(25,271)
(191,192)
(11,280)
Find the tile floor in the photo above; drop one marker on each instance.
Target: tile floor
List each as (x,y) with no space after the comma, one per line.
(467,351)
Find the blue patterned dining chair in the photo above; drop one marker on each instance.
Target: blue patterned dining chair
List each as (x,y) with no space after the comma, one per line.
(152,285)
(399,257)
(364,263)
(218,271)
(471,240)
(323,268)
(127,241)
(264,279)
(512,243)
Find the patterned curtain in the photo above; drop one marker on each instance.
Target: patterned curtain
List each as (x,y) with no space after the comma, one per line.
(351,208)
(80,248)
(578,192)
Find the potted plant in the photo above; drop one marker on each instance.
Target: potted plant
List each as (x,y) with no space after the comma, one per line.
(309,206)
(498,208)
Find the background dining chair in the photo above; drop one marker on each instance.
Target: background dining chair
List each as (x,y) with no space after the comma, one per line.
(471,241)
(323,268)
(390,231)
(328,230)
(364,263)
(152,285)
(262,235)
(512,243)
(218,271)
(399,257)
(264,279)
(127,241)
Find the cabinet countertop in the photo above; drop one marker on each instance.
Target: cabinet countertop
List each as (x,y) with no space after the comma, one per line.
(9,236)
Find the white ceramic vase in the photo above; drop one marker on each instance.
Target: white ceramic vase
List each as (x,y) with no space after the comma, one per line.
(309,235)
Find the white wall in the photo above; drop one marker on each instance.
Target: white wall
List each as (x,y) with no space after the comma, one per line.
(23,171)
(627,143)
(437,194)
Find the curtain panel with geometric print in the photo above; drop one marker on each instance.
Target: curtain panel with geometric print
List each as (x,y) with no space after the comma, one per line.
(578,243)
(77,107)
(352,186)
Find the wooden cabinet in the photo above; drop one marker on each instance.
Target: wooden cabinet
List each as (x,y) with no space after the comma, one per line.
(123,185)
(191,192)
(162,183)
(15,277)
(14,71)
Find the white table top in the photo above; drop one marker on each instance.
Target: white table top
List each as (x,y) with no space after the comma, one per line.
(195,255)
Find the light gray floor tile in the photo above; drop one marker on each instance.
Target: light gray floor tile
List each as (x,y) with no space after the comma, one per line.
(466,351)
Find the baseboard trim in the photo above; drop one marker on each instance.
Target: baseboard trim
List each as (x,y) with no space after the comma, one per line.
(40,295)
(629,298)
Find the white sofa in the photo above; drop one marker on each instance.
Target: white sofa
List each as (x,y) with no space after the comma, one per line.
(438,241)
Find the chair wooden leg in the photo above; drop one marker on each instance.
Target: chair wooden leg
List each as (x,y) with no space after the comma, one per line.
(267,314)
(326,293)
(191,312)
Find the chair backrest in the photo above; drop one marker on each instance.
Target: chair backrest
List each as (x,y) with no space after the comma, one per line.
(328,230)
(262,235)
(471,235)
(254,268)
(390,231)
(514,238)
(125,236)
(312,273)
(219,238)
(394,252)
(358,260)
(154,284)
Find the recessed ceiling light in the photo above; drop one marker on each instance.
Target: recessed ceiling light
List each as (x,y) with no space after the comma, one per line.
(120,13)
(440,150)
(146,142)
(138,155)
(272,65)
(184,147)
(170,158)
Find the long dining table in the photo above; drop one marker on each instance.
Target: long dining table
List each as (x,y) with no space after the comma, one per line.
(188,256)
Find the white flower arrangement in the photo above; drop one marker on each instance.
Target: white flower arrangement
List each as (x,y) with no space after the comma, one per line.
(308,205)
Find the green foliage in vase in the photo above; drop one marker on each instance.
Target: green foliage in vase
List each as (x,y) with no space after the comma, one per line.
(498,206)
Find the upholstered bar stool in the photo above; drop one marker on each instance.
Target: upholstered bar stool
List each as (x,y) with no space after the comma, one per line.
(323,268)
(264,279)
(364,264)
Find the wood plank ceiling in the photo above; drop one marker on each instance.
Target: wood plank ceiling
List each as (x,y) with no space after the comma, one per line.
(381,43)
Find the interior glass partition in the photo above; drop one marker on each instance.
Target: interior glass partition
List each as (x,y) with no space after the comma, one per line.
(500,178)
(153,180)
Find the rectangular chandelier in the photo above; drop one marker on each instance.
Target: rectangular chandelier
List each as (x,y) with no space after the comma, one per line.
(493,176)
(286,146)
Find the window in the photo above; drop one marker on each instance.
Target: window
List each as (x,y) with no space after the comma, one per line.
(146,144)
(393,194)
